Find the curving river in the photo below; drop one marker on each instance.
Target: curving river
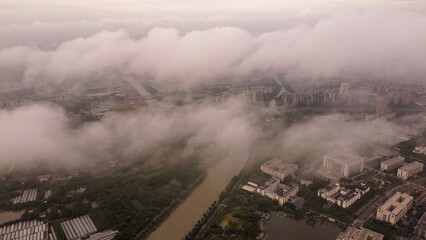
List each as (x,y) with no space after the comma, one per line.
(185,216)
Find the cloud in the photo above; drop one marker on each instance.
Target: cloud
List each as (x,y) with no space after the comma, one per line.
(370,43)
(45,133)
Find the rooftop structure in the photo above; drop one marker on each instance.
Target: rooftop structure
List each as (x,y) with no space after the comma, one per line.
(277,168)
(420,229)
(47,194)
(274,190)
(343,163)
(329,190)
(394,208)
(392,164)
(24,230)
(106,235)
(420,150)
(353,233)
(78,227)
(342,197)
(409,170)
(28,195)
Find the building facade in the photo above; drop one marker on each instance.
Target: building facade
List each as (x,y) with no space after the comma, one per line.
(275,190)
(277,168)
(342,197)
(392,164)
(409,170)
(343,163)
(353,233)
(394,208)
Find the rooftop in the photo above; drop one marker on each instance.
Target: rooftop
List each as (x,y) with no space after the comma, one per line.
(411,166)
(278,165)
(344,156)
(396,203)
(394,160)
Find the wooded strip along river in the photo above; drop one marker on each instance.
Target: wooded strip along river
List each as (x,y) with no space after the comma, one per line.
(186,215)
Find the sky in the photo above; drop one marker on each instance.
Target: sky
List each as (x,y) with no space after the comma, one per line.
(18,11)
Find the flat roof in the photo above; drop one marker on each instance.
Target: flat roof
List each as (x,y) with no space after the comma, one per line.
(394,160)
(278,165)
(411,166)
(344,156)
(396,203)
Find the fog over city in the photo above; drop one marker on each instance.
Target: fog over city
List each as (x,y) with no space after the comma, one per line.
(45,132)
(213,119)
(379,42)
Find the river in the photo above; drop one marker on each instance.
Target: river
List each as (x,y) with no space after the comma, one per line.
(185,216)
(10,216)
(289,229)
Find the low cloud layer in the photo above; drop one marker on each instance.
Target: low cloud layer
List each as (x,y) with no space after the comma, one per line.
(216,133)
(44,133)
(371,43)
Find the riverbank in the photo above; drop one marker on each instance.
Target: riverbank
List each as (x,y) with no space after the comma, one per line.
(8,216)
(265,217)
(186,216)
(173,206)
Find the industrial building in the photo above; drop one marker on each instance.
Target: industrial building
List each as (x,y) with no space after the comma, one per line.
(78,227)
(392,164)
(420,229)
(409,170)
(277,168)
(353,233)
(343,163)
(394,208)
(28,195)
(106,235)
(47,194)
(24,230)
(342,197)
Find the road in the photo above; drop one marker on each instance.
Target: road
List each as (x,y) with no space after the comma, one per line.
(365,212)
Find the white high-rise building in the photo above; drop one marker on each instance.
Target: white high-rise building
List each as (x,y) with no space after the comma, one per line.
(344,88)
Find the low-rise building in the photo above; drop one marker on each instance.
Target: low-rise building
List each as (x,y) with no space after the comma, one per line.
(353,233)
(409,170)
(342,197)
(419,150)
(33,229)
(420,229)
(278,191)
(329,190)
(392,164)
(273,189)
(394,208)
(277,168)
